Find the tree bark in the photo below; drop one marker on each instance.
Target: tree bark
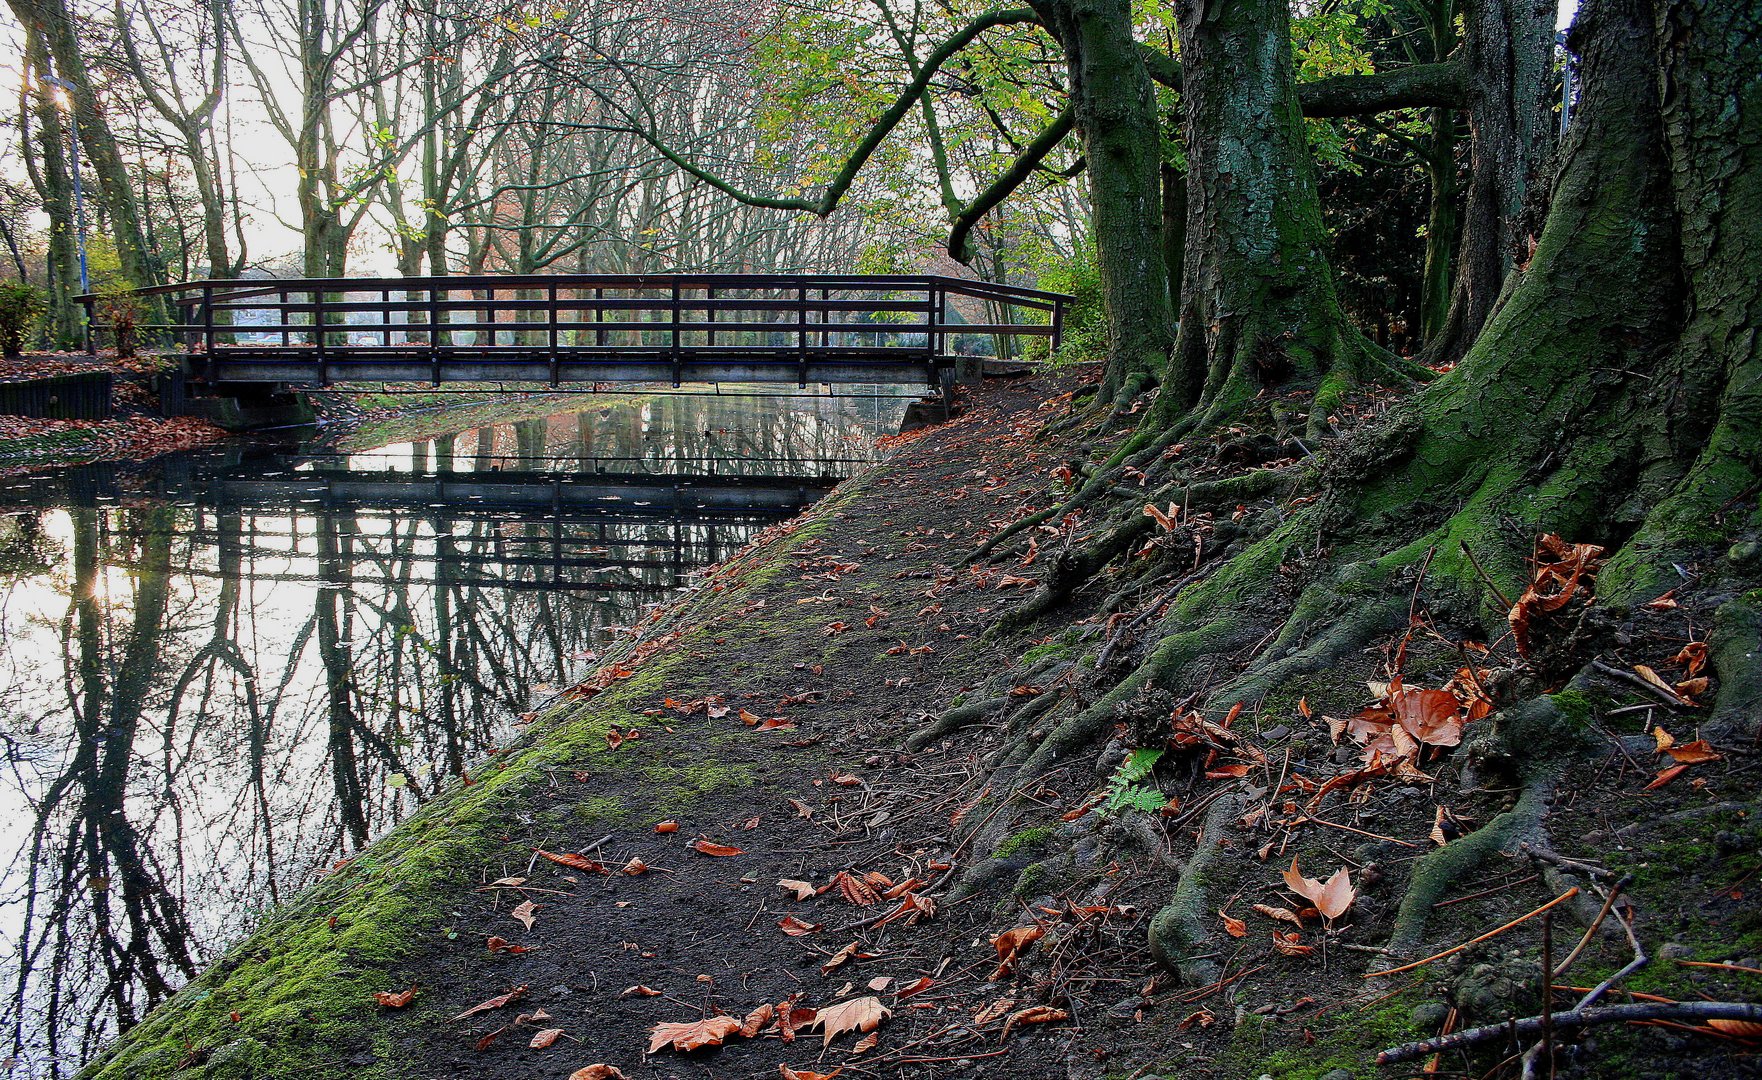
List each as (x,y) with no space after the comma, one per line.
(1509,46)
(51,179)
(1258,305)
(1115,112)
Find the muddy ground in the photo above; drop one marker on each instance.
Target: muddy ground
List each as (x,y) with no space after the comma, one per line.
(618,867)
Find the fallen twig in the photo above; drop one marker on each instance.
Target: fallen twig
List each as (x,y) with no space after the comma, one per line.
(1561,899)
(1569,1018)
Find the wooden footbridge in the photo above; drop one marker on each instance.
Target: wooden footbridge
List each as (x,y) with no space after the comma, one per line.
(555,330)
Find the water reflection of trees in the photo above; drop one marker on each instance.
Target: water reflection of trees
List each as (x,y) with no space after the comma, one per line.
(205,705)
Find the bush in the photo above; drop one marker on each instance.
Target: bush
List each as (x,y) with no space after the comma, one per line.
(20,307)
(1076,273)
(119,308)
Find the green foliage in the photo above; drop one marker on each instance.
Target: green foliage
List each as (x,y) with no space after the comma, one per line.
(20,307)
(1079,274)
(1127,788)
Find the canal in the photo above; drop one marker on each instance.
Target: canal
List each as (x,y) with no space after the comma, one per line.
(221,673)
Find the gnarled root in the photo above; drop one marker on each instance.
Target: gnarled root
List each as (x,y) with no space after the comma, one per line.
(1178,936)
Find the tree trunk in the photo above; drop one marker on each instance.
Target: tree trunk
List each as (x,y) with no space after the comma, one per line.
(1257,300)
(54,186)
(1443,220)
(1114,104)
(51,19)
(1174,220)
(1509,46)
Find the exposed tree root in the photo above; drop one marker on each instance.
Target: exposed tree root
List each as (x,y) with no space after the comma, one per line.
(1178,936)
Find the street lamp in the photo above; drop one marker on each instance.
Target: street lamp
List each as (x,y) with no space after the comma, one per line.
(65,99)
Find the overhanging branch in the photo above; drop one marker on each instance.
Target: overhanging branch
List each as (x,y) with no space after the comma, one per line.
(1022,168)
(1440,85)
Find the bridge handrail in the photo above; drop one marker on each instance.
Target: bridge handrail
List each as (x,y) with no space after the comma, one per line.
(556,326)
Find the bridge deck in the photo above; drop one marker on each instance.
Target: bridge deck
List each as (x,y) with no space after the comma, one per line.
(558,329)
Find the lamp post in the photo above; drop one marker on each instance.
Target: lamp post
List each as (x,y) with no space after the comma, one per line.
(79,203)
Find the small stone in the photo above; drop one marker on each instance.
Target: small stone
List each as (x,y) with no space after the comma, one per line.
(1276,733)
(1675,950)
(1430,1015)
(1337,1074)
(562,990)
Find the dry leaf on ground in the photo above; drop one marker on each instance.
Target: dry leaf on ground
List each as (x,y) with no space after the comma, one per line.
(857,1014)
(1331,898)
(708,847)
(397,1000)
(693,1034)
(803,890)
(571,860)
(525,912)
(493,1003)
(598,1072)
(545,1038)
(795,927)
(807,1074)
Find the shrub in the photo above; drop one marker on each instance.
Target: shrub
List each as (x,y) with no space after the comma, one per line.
(20,307)
(119,308)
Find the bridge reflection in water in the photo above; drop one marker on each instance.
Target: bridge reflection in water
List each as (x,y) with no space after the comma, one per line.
(226,671)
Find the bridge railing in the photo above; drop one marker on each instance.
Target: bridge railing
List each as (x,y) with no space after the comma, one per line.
(552,328)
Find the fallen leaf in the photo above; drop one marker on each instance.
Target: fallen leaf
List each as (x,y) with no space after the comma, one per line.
(501,944)
(756,1020)
(545,1038)
(857,1014)
(993,1011)
(1033,1014)
(598,1072)
(397,1000)
(693,1034)
(1665,777)
(707,847)
(573,861)
(1694,753)
(492,1003)
(635,866)
(1010,944)
(802,889)
(1692,656)
(1279,913)
(747,718)
(849,952)
(880,982)
(1290,944)
(1743,1029)
(643,991)
(807,1074)
(667,827)
(802,809)
(1233,926)
(845,779)
(1226,772)
(1331,899)
(866,1043)
(854,889)
(525,913)
(915,987)
(795,927)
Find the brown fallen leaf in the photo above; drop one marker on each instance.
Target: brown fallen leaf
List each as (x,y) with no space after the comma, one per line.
(1331,899)
(635,866)
(545,1038)
(667,827)
(802,889)
(993,1011)
(1743,1029)
(914,987)
(846,779)
(1694,753)
(1290,944)
(807,1074)
(525,913)
(849,952)
(397,1000)
(571,860)
(1665,777)
(912,908)
(693,1034)
(598,1072)
(1033,1014)
(1010,944)
(483,1043)
(493,1003)
(707,847)
(642,991)
(1233,926)
(866,1043)
(857,1014)
(756,1020)
(795,927)
(1282,914)
(802,809)
(853,888)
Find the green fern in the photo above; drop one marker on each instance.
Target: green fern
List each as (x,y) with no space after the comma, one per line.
(1126,788)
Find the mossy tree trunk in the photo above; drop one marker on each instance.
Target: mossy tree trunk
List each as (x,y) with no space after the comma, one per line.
(1114,104)
(1258,304)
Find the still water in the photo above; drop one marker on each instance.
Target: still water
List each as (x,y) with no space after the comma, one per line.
(222,672)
